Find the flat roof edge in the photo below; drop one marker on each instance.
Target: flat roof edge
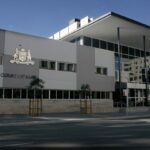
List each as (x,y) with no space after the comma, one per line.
(129,19)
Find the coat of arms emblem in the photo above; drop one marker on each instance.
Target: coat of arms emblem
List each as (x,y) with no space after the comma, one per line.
(22,56)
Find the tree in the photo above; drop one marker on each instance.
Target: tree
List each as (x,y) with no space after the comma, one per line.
(85,91)
(37,84)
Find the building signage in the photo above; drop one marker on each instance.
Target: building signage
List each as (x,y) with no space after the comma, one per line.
(22,56)
(17,76)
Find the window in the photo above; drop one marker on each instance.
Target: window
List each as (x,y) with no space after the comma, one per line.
(71,94)
(103,44)
(45,94)
(142,53)
(87,41)
(53,94)
(16,93)
(23,93)
(59,94)
(98,70)
(52,65)
(1,93)
(107,95)
(77,95)
(31,93)
(105,71)
(93,95)
(116,48)
(131,51)
(8,93)
(137,52)
(70,67)
(1,60)
(98,95)
(124,50)
(102,95)
(110,46)
(101,70)
(38,93)
(61,66)
(95,43)
(44,64)
(66,94)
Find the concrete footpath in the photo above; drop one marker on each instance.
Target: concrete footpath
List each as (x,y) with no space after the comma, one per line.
(76,131)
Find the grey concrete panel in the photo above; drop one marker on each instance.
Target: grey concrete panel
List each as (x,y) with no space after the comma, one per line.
(18,75)
(86,71)
(41,48)
(2,41)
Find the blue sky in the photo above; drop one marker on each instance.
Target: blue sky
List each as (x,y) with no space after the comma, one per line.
(45,17)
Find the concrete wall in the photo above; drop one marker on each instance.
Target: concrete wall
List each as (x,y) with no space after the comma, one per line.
(58,79)
(86,67)
(2,41)
(41,48)
(52,106)
(18,70)
(1,79)
(105,58)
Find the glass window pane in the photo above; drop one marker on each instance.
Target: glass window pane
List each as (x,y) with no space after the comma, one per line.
(44,64)
(77,95)
(110,46)
(105,71)
(46,94)
(7,93)
(61,66)
(16,93)
(52,65)
(30,93)
(71,95)
(96,43)
(124,50)
(38,93)
(93,95)
(103,44)
(116,48)
(98,70)
(87,41)
(1,93)
(23,93)
(131,51)
(102,95)
(53,94)
(137,52)
(70,67)
(66,94)
(98,95)
(59,94)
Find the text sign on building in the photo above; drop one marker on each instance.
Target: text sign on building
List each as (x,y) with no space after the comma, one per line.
(22,56)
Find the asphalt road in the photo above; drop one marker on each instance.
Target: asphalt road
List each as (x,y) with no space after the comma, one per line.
(75,131)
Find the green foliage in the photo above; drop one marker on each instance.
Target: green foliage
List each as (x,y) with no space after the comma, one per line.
(85,91)
(36,83)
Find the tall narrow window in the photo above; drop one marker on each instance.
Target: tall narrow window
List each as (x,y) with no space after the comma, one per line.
(87,41)
(16,93)
(61,66)
(1,60)
(52,65)
(1,93)
(95,43)
(44,64)
(103,44)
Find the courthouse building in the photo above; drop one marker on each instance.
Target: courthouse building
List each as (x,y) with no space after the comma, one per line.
(102,52)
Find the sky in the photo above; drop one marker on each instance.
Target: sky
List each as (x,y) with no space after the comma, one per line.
(46,17)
